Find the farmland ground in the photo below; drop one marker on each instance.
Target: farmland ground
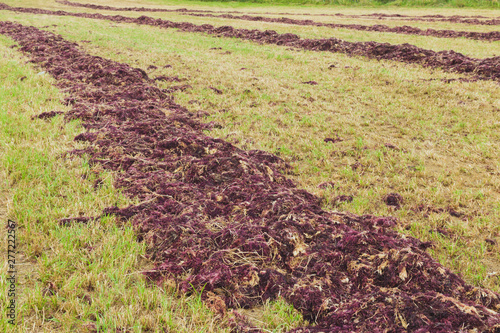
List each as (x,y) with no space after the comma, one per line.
(434,143)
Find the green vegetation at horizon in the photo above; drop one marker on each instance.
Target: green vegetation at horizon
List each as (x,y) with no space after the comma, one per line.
(367,3)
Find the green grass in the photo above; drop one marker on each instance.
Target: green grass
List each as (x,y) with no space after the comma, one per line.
(447,139)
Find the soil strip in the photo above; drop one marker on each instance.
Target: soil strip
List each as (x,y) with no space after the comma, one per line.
(228,222)
(485,69)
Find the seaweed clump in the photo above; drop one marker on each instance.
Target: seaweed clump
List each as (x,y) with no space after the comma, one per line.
(228,222)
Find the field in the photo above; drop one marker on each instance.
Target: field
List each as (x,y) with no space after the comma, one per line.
(183,166)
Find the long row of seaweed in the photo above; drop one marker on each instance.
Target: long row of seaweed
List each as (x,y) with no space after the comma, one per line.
(228,222)
(479,69)
(407,30)
(464,19)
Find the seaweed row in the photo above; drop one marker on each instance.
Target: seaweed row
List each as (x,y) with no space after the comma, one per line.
(407,30)
(480,69)
(228,222)
(472,19)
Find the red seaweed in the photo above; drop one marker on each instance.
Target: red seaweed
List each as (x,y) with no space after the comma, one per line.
(479,69)
(47,115)
(393,199)
(407,30)
(471,19)
(227,221)
(487,36)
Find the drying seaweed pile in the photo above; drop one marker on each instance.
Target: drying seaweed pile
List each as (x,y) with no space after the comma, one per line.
(488,68)
(473,19)
(131,9)
(229,222)
(407,30)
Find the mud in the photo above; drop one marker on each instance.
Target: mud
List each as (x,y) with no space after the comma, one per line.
(488,68)
(472,19)
(407,30)
(227,221)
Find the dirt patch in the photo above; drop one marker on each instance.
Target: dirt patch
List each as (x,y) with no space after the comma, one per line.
(227,221)
(488,68)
